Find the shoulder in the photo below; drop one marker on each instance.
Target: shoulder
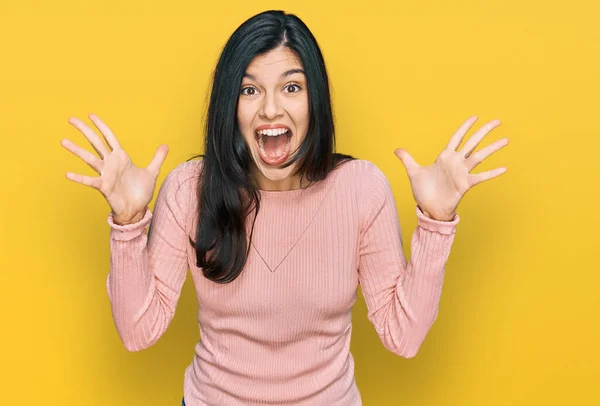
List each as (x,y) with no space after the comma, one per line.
(185,172)
(369,185)
(375,190)
(181,182)
(364,174)
(189,168)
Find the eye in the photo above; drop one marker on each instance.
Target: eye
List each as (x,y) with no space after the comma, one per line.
(246,88)
(292,85)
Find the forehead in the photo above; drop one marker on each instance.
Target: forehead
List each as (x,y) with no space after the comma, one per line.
(272,64)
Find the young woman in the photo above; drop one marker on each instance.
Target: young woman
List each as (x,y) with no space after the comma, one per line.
(277,230)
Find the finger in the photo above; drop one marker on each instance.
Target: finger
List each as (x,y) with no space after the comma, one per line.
(407,160)
(478,157)
(91,136)
(89,158)
(476,138)
(159,158)
(110,138)
(477,178)
(460,133)
(94,182)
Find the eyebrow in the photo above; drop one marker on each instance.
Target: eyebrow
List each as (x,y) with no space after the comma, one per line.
(284,74)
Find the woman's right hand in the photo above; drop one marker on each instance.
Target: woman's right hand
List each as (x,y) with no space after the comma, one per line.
(127,188)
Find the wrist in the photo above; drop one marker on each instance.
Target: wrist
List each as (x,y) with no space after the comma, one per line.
(437,217)
(123,221)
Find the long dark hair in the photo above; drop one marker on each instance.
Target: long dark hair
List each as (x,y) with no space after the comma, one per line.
(226,192)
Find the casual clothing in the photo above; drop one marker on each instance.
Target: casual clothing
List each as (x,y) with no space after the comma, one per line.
(280,332)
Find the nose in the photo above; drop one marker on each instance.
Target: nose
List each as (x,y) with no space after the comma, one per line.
(271,107)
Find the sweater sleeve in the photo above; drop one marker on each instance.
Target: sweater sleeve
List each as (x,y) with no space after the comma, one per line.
(402,298)
(147,272)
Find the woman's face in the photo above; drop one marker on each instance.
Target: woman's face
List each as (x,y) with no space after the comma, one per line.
(273,96)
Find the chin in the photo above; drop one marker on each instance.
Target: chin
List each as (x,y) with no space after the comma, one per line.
(274,173)
(269,172)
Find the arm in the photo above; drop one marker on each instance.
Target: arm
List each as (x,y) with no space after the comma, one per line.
(402,299)
(147,272)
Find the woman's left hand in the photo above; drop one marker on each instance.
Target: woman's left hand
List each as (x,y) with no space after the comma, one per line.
(439,187)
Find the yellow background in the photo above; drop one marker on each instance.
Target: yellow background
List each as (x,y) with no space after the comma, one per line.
(518,323)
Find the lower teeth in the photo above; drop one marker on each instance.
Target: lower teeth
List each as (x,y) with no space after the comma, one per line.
(261,145)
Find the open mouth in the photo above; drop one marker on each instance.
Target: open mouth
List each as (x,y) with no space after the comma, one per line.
(274,145)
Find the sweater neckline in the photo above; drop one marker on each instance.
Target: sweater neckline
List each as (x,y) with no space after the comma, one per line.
(292,193)
(285,193)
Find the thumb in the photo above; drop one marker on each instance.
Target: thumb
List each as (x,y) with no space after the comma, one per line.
(407,160)
(159,158)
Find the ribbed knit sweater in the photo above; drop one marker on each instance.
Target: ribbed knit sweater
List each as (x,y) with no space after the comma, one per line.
(280,333)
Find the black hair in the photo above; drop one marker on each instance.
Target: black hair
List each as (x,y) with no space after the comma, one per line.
(227,193)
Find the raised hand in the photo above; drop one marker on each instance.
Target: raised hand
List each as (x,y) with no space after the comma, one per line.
(127,188)
(439,187)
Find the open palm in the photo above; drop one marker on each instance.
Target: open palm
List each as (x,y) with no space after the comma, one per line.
(128,189)
(439,187)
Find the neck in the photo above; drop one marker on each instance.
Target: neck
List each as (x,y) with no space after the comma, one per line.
(289,183)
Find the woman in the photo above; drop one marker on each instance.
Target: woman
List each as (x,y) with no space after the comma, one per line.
(277,230)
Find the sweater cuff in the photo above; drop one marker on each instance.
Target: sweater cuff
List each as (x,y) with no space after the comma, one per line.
(443,227)
(129,231)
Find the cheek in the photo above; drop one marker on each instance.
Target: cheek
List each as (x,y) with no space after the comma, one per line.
(303,121)
(300,113)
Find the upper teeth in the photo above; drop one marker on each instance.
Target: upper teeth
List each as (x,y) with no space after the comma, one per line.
(274,132)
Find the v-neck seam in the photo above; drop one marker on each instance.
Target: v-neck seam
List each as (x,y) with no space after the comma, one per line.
(310,222)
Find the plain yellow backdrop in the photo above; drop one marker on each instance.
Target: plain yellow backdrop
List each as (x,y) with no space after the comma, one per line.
(518,323)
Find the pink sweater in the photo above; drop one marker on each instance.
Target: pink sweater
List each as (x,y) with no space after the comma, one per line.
(280,333)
